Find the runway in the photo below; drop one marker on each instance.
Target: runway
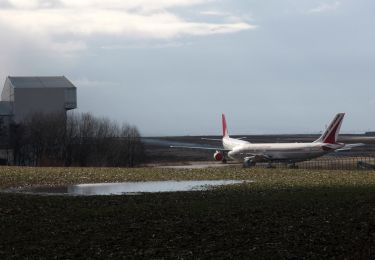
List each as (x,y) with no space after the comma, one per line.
(197,165)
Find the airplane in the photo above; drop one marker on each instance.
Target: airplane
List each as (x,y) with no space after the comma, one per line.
(289,153)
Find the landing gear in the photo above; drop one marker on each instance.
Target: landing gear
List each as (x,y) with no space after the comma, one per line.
(270,166)
(224,160)
(248,162)
(292,165)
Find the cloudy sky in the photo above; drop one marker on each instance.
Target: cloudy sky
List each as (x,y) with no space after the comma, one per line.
(172,66)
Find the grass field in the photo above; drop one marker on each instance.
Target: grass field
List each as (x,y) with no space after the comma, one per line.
(284,214)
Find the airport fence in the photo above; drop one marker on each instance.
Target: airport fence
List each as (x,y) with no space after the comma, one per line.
(331,163)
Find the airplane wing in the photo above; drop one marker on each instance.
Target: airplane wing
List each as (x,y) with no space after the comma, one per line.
(201,148)
(211,139)
(348,147)
(214,139)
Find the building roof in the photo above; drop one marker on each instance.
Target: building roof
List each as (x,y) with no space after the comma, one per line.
(5,108)
(41,82)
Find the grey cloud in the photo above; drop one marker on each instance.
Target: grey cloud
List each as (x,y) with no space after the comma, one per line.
(291,75)
(5,4)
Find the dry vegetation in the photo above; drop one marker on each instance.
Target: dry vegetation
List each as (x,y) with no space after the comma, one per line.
(283,214)
(270,178)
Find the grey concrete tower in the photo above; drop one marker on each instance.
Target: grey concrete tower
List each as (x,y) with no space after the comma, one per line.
(22,96)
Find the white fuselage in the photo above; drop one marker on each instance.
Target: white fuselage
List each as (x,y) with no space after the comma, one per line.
(290,152)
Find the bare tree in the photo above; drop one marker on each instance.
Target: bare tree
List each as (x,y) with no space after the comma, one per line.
(17,142)
(80,140)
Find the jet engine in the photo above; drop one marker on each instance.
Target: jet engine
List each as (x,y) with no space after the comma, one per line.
(218,156)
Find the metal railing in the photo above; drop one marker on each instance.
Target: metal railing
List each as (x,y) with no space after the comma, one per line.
(330,163)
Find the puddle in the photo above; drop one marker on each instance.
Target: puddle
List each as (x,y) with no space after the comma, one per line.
(198,165)
(129,188)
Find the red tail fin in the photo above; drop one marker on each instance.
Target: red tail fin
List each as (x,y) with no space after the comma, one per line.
(225,129)
(331,133)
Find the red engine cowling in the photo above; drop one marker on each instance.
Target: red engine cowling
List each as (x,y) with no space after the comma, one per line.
(218,156)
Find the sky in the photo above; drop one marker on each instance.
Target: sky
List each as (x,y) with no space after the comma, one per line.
(171,67)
